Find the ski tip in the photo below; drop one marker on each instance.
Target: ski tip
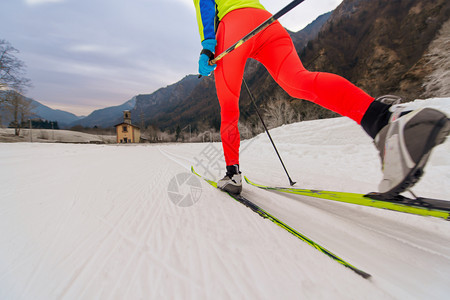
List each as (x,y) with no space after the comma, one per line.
(194,172)
(252,183)
(360,272)
(364,274)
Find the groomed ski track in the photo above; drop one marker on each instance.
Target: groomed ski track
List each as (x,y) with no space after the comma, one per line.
(97,222)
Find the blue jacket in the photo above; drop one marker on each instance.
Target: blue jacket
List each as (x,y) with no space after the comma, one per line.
(210,11)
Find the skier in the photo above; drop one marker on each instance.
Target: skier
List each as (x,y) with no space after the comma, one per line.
(403,138)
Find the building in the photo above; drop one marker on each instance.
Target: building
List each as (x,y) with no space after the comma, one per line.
(127,132)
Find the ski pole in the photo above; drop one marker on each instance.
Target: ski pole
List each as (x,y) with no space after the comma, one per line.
(257,30)
(267,131)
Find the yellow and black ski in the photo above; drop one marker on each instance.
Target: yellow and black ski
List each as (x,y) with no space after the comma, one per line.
(419,206)
(283,225)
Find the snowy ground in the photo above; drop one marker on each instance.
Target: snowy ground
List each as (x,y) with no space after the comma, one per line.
(53,136)
(117,222)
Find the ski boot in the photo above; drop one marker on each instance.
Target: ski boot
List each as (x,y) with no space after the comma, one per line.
(405,144)
(232,181)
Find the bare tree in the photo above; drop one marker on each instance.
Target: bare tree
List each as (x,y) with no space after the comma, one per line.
(19,108)
(13,84)
(279,112)
(12,69)
(437,83)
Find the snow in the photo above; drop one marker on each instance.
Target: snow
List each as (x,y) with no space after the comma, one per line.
(52,136)
(118,221)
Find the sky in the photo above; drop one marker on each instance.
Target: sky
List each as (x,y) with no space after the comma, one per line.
(83,55)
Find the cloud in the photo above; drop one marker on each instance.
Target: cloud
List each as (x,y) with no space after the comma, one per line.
(101,53)
(37,2)
(98,49)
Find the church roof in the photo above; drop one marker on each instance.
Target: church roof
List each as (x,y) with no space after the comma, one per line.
(127,124)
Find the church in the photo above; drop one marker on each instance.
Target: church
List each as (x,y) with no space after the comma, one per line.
(127,132)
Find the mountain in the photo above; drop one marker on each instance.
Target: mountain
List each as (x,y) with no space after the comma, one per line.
(62,117)
(384,47)
(302,37)
(106,117)
(39,110)
(381,46)
(161,105)
(198,107)
(143,107)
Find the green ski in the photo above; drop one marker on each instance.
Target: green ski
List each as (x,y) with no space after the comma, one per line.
(283,225)
(420,206)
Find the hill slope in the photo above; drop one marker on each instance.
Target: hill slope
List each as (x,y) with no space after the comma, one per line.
(106,117)
(62,117)
(39,110)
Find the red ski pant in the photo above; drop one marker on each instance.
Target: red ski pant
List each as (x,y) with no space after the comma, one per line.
(274,49)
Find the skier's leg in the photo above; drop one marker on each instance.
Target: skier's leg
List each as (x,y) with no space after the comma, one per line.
(404,140)
(228,77)
(331,91)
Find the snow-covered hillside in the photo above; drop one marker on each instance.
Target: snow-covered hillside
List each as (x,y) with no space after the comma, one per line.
(131,222)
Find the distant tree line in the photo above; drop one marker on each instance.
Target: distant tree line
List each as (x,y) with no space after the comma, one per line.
(36,124)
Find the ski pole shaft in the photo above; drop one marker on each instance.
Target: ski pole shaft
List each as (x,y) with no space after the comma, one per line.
(257,30)
(267,131)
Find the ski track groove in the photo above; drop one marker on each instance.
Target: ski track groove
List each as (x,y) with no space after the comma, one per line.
(153,216)
(171,269)
(143,244)
(224,266)
(87,239)
(94,257)
(342,214)
(262,233)
(133,278)
(64,219)
(203,265)
(228,267)
(165,258)
(229,224)
(175,158)
(118,228)
(406,242)
(355,218)
(199,287)
(221,265)
(23,262)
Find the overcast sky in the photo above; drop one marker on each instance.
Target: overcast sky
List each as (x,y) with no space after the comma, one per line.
(83,55)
